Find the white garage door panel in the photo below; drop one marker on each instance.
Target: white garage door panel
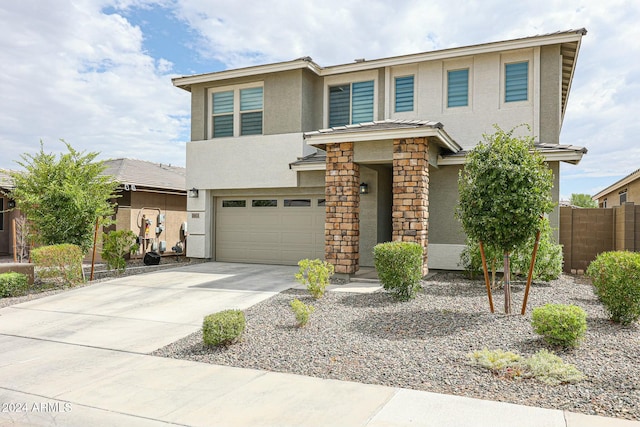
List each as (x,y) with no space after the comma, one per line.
(272,235)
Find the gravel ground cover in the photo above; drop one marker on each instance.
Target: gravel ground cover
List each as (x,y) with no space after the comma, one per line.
(423,344)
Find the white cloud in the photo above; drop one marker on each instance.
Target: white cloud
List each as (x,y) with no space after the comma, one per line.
(82,75)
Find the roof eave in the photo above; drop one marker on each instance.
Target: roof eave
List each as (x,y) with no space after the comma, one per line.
(185,82)
(320,141)
(572,157)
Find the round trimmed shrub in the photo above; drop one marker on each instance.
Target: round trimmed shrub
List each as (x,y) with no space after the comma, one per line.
(616,278)
(399,267)
(560,324)
(223,328)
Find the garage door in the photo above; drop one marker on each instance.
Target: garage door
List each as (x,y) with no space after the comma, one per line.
(269,229)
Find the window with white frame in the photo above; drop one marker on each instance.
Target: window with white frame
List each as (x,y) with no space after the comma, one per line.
(404,94)
(351,103)
(516,81)
(237,111)
(458,88)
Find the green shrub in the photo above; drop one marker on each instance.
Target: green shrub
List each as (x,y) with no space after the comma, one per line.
(222,328)
(315,274)
(13,285)
(616,278)
(549,258)
(548,264)
(399,267)
(560,324)
(115,246)
(302,311)
(550,369)
(544,365)
(62,263)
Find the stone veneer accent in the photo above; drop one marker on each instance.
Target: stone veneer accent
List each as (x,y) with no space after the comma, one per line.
(410,211)
(342,229)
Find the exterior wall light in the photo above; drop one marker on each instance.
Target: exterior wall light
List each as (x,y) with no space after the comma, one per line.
(193,193)
(364,188)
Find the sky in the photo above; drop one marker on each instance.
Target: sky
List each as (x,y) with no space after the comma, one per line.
(97,73)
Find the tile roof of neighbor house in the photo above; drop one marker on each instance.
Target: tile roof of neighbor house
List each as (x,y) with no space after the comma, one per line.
(619,183)
(5,180)
(146,174)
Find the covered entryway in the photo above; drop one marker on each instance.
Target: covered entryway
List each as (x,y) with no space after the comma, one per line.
(269,229)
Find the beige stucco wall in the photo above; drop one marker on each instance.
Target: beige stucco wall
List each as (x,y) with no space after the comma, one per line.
(368,216)
(142,203)
(613,197)
(444,227)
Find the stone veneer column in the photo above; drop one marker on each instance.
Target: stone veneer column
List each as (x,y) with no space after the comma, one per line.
(341,229)
(410,212)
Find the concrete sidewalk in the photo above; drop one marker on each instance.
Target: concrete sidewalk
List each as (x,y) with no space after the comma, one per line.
(77,359)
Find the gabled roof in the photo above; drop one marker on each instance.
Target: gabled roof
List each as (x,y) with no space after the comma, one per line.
(382,130)
(551,153)
(620,183)
(569,41)
(145,174)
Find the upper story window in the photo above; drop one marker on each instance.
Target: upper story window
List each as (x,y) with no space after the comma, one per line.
(623,196)
(404,94)
(516,81)
(458,88)
(351,103)
(236,112)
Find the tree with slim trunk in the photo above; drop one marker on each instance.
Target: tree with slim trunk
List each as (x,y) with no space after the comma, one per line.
(504,188)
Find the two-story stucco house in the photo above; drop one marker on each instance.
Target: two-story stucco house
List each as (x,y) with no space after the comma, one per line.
(294,160)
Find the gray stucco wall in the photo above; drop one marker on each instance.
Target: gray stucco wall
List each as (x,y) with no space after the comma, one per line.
(283,106)
(312,93)
(550,94)
(444,227)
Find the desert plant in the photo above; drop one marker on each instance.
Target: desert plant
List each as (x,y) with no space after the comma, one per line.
(544,365)
(302,311)
(13,285)
(315,274)
(62,263)
(616,278)
(550,369)
(223,328)
(399,267)
(116,245)
(560,324)
(494,360)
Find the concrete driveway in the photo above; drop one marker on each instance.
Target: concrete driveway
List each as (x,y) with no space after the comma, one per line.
(77,359)
(144,312)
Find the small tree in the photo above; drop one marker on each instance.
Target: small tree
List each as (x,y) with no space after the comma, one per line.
(582,200)
(504,188)
(62,197)
(116,245)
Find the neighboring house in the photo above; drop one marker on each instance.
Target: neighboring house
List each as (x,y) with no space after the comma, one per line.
(293,160)
(7,213)
(625,190)
(152,203)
